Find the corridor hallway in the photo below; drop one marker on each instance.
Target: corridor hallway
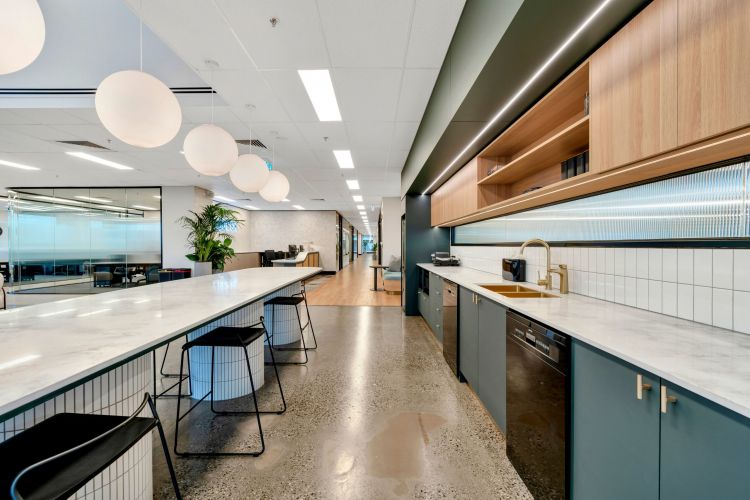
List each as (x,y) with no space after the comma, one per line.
(351,287)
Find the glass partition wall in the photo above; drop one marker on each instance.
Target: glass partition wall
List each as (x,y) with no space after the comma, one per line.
(83,240)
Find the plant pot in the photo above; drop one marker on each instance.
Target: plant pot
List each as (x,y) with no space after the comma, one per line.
(201,268)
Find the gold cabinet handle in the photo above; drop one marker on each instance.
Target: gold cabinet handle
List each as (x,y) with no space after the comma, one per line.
(666,399)
(640,386)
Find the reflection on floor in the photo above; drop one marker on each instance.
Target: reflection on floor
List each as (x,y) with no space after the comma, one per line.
(376,414)
(351,287)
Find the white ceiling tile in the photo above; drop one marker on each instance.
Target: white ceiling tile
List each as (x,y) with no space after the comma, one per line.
(397,159)
(324,135)
(432,20)
(288,89)
(416,89)
(404,135)
(366,33)
(367,94)
(370,135)
(241,88)
(295,43)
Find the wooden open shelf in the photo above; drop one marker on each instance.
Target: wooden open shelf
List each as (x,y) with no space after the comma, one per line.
(569,142)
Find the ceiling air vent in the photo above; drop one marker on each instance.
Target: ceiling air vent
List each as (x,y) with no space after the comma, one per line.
(254,142)
(317,199)
(87,144)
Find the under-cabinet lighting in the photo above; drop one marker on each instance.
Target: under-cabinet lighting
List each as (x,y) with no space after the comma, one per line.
(18,165)
(100,161)
(343,158)
(319,89)
(523,89)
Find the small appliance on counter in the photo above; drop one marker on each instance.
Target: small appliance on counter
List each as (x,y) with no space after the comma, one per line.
(514,269)
(445,259)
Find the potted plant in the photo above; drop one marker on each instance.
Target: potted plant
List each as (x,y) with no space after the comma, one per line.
(208,237)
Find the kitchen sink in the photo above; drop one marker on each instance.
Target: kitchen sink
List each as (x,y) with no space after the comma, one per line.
(518,292)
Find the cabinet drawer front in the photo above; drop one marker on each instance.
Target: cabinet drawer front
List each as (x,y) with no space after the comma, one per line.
(705,449)
(467,336)
(614,435)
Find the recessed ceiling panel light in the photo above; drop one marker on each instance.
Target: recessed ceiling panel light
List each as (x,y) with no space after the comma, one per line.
(363,213)
(285,200)
(319,89)
(360,207)
(353,184)
(250,207)
(298,207)
(144,207)
(357,197)
(100,161)
(91,198)
(17,165)
(224,198)
(523,89)
(343,158)
(157,196)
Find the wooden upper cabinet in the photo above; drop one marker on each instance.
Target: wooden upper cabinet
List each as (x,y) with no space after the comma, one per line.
(633,89)
(457,197)
(714,68)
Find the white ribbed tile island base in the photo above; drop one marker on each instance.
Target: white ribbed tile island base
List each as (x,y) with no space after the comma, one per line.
(93,354)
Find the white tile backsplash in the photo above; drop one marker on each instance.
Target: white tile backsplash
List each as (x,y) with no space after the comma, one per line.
(710,286)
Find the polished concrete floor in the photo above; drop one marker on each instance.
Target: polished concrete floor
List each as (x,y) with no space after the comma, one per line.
(375,414)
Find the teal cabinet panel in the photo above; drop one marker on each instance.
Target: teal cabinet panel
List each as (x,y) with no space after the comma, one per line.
(467,337)
(705,449)
(614,435)
(424,305)
(491,358)
(436,306)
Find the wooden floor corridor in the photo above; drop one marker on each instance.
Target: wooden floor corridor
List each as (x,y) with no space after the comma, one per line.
(351,287)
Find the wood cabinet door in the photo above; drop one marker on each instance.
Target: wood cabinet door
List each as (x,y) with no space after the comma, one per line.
(467,337)
(705,449)
(714,68)
(614,435)
(633,90)
(491,359)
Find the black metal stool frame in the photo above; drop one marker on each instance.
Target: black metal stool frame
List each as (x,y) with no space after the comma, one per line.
(146,400)
(257,411)
(163,394)
(304,347)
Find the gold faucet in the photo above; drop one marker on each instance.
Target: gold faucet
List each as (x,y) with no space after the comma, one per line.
(561,269)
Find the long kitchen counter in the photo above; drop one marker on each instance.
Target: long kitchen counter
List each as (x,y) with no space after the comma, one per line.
(711,362)
(48,347)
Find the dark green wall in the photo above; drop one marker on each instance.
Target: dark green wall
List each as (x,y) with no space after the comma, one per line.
(421,241)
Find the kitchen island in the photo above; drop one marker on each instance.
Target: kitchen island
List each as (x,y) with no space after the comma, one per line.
(93,354)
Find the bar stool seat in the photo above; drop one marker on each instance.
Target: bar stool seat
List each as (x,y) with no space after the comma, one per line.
(227,336)
(58,456)
(293,300)
(284,301)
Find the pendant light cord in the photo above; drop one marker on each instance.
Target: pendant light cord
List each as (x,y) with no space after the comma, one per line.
(212,96)
(140,32)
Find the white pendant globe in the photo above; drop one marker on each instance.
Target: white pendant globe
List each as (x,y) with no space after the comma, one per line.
(210,150)
(276,188)
(250,173)
(138,109)
(22,34)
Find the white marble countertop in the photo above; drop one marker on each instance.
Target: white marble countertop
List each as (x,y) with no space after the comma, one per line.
(300,257)
(46,347)
(709,361)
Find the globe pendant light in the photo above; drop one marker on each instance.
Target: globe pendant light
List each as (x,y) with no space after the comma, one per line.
(208,148)
(138,108)
(22,34)
(276,188)
(250,173)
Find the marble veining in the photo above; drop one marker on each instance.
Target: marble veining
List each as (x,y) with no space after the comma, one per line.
(46,347)
(712,362)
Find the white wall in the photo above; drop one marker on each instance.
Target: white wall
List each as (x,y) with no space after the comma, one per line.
(175,202)
(268,229)
(391,237)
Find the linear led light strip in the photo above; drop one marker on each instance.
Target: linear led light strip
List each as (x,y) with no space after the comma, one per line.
(100,161)
(605,176)
(520,91)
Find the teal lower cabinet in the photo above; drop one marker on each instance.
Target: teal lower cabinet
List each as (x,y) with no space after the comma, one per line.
(423,302)
(436,306)
(491,358)
(634,435)
(467,336)
(705,449)
(614,434)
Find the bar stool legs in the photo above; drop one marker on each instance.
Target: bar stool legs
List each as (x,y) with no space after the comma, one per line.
(302,336)
(222,337)
(163,394)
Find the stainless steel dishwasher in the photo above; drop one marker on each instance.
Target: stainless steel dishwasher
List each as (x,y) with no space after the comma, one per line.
(450,324)
(537,367)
